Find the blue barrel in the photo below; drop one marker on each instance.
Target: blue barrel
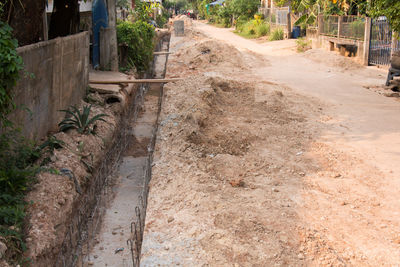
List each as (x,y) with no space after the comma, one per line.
(296,32)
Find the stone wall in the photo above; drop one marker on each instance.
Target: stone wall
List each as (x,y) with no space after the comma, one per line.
(55,76)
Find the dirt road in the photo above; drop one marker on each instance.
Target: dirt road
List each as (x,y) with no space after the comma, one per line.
(266,157)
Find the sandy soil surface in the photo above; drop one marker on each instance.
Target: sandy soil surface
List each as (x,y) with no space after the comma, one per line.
(266,157)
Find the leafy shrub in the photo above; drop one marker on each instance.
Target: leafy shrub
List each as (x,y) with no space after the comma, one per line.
(246,8)
(303,45)
(10,65)
(138,37)
(80,121)
(263,29)
(162,20)
(277,34)
(253,28)
(17,173)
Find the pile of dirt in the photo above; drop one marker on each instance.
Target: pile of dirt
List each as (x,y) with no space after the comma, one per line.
(188,21)
(206,54)
(246,173)
(332,59)
(220,192)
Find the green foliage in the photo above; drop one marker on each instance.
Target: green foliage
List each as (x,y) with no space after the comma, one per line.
(142,11)
(312,8)
(357,28)
(280,3)
(263,29)
(276,34)
(253,29)
(224,14)
(168,4)
(17,173)
(303,45)
(51,144)
(123,4)
(163,19)
(10,65)
(80,121)
(246,8)
(138,37)
(388,8)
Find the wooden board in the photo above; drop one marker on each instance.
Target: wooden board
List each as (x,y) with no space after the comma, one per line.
(135,81)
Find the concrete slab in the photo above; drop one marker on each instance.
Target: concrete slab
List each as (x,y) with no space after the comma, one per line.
(109,76)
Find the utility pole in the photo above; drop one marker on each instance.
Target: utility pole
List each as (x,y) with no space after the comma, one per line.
(112,24)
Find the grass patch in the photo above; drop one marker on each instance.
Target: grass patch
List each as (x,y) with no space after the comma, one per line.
(303,45)
(253,29)
(277,34)
(17,173)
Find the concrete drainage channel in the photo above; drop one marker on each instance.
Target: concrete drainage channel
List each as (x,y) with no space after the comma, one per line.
(107,229)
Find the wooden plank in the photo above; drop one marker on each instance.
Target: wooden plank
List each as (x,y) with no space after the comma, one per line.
(136,81)
(162,53)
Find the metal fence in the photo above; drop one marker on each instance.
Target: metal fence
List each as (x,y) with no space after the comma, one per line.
(383,42)
(278,16)
(328,25)
(350,27)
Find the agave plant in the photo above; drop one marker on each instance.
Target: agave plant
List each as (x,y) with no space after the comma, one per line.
(80,120)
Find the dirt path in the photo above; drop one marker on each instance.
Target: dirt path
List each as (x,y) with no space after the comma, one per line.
(266,157)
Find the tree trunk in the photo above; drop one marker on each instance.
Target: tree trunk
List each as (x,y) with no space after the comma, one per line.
(26,18)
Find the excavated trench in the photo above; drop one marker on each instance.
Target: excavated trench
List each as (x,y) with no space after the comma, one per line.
(107,227)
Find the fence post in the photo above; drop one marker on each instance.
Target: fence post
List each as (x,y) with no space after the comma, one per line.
(367,40)
(289,25)
(319,25)
(393,46)
(340,20)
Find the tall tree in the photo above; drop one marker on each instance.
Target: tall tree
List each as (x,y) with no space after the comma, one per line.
(26,19)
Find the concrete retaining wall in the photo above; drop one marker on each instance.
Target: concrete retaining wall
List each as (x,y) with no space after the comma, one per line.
(60,70)
(340,45)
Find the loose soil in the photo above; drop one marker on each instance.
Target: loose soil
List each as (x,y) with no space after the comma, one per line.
(251,169)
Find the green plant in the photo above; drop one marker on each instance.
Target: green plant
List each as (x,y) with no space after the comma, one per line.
(10,65)
(17,172)
(80,120)
(357,28)
(303,45)
(277,34)
(138,38)
(246,8)
(263,29)
(388,8)
(253,28)
(51,144)
(162,19)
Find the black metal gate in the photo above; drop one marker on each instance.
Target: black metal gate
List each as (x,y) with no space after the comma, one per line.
(382,43)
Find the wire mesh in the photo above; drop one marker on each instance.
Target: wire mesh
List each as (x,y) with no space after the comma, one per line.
(352,27)
(329,25)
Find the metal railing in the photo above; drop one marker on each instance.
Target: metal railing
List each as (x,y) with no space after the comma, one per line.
(352,27)
(276,16)
(349,27)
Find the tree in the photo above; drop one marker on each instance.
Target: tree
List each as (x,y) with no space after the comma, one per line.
(26,19)
(388,8)
(246,8)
